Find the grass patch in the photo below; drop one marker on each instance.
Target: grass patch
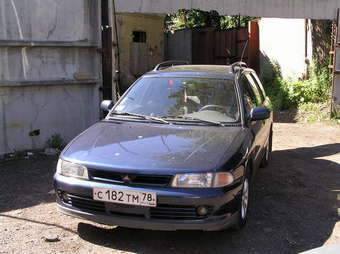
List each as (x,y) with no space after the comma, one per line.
(313,112)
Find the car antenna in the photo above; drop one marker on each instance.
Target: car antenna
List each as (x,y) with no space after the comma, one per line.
(244,50)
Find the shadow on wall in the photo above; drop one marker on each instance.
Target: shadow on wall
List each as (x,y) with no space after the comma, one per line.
(294,210)
(284,110)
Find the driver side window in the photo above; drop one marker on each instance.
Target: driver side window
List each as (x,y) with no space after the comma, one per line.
(248,94)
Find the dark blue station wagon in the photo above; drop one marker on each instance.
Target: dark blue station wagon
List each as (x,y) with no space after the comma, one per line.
(178,151)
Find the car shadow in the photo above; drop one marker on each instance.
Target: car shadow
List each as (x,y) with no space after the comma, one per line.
(294,208)
(26,182)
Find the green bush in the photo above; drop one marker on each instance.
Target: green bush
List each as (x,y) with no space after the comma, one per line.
(276,86)
(316,89)
(286,94)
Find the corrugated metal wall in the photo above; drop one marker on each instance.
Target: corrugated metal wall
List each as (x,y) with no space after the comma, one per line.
(178,45)
(50,70)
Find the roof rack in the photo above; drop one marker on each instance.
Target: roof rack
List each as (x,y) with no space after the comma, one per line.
(170,63)
(240,65)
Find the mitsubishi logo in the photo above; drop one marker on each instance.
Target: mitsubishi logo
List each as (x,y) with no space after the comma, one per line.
(126,179)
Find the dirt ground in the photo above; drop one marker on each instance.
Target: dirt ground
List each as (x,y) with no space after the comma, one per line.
(295,206)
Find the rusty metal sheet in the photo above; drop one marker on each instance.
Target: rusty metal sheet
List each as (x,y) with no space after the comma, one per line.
(219,47)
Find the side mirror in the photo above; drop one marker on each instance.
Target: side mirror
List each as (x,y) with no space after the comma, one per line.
(106,105)
(259,113)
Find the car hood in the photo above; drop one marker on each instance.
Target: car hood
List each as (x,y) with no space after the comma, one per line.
(137,146)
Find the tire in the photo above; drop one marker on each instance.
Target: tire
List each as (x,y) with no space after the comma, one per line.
(244,204)
(266,157)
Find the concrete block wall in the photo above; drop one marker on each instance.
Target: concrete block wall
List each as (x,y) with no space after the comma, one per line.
(50,70)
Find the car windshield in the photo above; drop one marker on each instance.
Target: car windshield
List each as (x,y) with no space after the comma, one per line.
(188,99)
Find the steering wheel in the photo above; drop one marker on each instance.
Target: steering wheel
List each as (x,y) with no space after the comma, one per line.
(206,107)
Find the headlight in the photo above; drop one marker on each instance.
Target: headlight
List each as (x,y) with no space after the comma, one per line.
(66,168)
(202,180)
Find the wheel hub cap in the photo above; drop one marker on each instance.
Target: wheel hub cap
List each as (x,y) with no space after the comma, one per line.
(245,198)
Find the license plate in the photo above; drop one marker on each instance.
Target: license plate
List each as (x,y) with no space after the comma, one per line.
(138,198)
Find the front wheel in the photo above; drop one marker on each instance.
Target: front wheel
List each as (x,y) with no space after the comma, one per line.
(244,205)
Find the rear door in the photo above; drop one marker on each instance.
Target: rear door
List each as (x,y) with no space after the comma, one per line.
(253,98)
(266,103)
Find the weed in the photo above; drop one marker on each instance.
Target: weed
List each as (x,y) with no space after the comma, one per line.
(314,112)
(56,142)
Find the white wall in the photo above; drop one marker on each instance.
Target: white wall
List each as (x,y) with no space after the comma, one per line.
(283,41)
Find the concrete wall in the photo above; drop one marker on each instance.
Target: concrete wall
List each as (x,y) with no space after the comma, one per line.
(136,59)
(50,70)
(314,9)
(66,110)
(283,41)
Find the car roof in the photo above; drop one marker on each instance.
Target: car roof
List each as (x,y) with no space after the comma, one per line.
(208,71)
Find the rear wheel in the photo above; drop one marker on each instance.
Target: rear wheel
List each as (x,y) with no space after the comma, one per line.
(265,160)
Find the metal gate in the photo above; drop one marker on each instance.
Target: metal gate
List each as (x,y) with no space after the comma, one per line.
(210,46)
(50,70)
(219,47)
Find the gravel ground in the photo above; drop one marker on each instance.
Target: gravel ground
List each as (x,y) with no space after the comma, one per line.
(295,207)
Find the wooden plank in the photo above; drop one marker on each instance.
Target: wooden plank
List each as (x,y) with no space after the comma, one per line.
(139,59)
(254,47)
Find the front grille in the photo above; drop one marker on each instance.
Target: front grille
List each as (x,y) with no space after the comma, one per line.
(168,212)
(164,212)
(134,179)
(85,203)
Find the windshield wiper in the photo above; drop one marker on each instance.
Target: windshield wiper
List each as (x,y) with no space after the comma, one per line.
(194,119)
(149,118)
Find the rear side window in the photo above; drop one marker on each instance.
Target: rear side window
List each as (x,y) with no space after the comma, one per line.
(248,94)
(259,84)
(256,90)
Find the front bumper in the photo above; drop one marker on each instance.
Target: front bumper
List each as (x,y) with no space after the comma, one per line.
(223,203)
